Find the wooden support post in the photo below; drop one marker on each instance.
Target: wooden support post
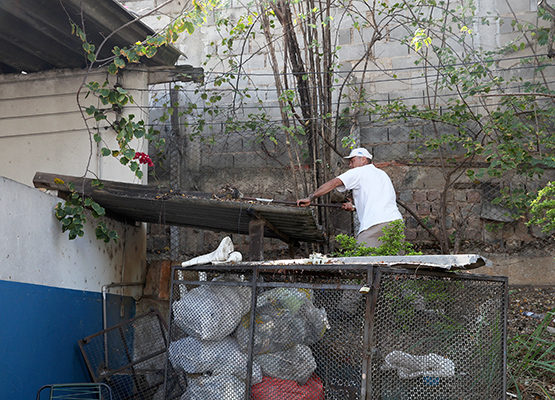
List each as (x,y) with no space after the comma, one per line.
(256,243)
(292,250)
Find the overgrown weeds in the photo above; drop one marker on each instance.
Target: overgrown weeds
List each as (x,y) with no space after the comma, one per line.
(531,363)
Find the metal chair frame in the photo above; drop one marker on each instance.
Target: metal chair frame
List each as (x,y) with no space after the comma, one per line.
(77,391)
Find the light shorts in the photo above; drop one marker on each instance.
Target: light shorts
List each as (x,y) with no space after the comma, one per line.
(371,235)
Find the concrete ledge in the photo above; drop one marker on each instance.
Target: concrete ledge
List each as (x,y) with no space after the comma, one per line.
(523,269)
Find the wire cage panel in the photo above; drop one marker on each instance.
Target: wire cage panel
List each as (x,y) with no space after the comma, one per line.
(438,337)
(130,357)
(310,332)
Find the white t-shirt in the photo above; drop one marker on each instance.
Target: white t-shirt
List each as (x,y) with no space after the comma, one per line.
(373,193)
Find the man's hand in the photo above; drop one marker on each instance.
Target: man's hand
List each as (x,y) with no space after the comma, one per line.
(348,206)
(304,202)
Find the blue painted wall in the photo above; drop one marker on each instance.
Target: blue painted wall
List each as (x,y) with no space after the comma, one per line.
(39,330)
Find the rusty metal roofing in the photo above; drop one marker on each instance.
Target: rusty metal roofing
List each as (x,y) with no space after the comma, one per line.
(193,209)
(37,35)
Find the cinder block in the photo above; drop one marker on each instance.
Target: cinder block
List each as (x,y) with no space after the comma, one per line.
(398,64)
(363,35)
(257,45)
(256,62)
(352,52)
(344,68)
(217,161)
(263,78)
(397,87)
(390,49)
(505,25)
(399,133)
(344,37)
(374,134)
(421,151)
(268,95)
(519,6)
(248,160)
(390,151)
(505,38)
(406,196)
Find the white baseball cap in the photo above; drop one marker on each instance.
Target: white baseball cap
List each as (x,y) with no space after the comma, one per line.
(359,152)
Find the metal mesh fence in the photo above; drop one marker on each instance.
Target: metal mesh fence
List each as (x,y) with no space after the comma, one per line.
(130,357)
(452,328)
(438,203)
(240,138)
(292,332)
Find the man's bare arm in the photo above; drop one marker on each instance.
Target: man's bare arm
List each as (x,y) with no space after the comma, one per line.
(322,190)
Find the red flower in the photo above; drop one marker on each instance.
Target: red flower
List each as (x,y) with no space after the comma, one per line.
(143,159)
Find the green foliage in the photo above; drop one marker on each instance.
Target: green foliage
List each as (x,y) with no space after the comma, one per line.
(72,213)
(542,209)
(471,116)
(531,360)
(393,243)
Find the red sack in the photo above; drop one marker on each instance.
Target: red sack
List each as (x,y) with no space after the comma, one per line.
(281,389)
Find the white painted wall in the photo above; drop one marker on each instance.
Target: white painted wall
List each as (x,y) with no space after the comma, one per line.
(34,250)
(42,128)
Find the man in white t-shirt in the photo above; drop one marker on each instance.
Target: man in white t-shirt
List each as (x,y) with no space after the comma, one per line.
(373,195)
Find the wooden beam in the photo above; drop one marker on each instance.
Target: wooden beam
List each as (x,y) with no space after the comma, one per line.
(271,227)
(256,240)
(179,73)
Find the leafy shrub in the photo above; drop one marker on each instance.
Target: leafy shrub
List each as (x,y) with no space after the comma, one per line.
(393,243)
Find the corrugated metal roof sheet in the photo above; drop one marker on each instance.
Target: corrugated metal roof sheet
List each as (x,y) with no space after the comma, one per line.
(36,35)
(192,209)
(440,261)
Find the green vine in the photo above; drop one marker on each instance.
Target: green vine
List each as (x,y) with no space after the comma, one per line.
(76,210)
(72,213)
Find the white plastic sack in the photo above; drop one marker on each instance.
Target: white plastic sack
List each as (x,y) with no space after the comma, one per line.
(212,312)
(296,364)
(216,357)
(221,254)
(284,317)
(411,366)
(216,387)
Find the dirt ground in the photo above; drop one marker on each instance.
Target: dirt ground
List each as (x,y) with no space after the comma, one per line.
(538,300)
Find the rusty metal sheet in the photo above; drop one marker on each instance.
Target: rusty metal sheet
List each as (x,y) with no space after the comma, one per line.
(156,205)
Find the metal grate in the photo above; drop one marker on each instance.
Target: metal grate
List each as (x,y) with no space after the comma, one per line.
(130,357)
(313,333)
(438,337)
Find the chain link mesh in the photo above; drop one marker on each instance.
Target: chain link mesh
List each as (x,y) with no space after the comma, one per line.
(453,327)
(437,203)
(314,333)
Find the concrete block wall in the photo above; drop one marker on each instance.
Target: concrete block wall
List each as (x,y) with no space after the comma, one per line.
(232,158)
